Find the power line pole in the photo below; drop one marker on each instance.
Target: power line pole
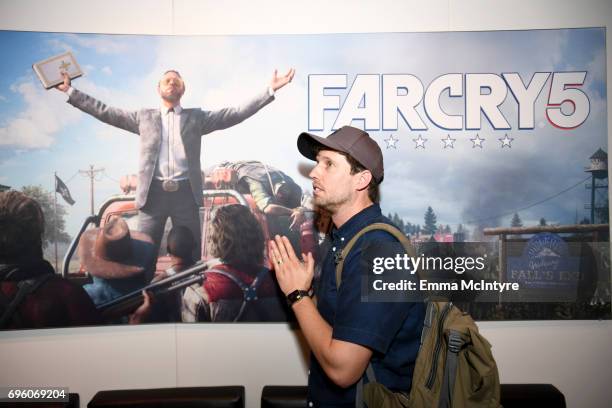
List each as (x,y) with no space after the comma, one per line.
(91,173)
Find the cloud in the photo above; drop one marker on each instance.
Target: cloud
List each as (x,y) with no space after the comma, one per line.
(59,45)
(44,115)
(102,44)
(107,70)
(109,134)
(3,98)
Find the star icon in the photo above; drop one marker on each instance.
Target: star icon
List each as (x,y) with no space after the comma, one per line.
(391,142)
(420,142)
(506,141)
(477,142)
(449,142)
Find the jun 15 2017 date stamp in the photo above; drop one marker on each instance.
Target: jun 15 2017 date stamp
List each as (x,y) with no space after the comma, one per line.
(33,394)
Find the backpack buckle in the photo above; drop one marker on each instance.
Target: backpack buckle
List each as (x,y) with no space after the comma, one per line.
(250,293)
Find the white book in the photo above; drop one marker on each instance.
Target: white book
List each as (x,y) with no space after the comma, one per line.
(50,70)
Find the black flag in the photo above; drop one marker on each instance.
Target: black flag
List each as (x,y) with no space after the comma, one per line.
(61,188)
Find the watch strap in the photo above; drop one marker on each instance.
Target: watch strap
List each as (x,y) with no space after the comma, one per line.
(297,295)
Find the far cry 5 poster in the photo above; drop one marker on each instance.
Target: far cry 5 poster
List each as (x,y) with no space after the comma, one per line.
(495,138)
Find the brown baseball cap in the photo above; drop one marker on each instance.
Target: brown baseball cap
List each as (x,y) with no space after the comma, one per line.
(352,141)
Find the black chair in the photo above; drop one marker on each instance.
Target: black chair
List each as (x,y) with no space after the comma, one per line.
(512,396)
(189,397)
(283,396)
(531,395)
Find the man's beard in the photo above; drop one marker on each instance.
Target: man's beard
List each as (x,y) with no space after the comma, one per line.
(172,98)
(331,204)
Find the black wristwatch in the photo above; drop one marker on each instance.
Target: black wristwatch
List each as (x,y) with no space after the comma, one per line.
(297,295)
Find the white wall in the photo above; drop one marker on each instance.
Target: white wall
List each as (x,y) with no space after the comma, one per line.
(576,356)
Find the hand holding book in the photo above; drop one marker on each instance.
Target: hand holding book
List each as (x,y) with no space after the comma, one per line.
(51,71)
(64,86)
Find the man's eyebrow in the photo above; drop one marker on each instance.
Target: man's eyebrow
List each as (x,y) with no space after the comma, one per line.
(321,156)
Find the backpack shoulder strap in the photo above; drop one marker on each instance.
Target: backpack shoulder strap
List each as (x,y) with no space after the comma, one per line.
(258,281)
(403,239)
(25,288)
(455,343)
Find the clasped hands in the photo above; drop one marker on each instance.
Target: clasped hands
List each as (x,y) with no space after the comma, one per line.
(291,272)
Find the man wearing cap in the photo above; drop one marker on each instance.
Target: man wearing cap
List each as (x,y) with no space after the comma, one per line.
(169,180)
(344,333)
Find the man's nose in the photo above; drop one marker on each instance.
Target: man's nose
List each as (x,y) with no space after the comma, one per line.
(314,172)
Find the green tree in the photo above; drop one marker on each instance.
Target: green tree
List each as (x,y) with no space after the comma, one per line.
(430,221)
(45,199)
(397,220)
(516,221)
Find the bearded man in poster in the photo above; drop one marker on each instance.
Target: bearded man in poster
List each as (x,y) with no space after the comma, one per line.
(169,174)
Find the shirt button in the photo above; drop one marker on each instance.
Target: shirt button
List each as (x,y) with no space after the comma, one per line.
(341,238)
(310,404)
(334,249)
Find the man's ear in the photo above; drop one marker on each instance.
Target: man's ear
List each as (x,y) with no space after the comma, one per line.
(363,180)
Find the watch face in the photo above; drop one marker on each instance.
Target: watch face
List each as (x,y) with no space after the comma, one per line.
(296,295)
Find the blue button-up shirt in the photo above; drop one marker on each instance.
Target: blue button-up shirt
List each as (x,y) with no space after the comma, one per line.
(391,330)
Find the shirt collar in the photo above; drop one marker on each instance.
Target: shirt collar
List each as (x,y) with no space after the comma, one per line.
(177,109)
(356,223)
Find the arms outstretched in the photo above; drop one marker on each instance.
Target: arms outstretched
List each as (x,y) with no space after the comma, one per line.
(127,120)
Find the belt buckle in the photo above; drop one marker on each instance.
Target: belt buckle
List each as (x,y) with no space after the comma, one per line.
(170,185)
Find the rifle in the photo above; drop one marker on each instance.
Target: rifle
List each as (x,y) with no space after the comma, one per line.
(126,304)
